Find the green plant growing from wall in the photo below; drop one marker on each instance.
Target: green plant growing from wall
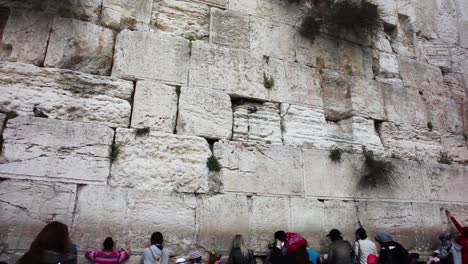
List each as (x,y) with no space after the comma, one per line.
(140,132)
(213,164)
(430,126)
(335,154)
(444,158)
(376,171)
(11,114)
(268,82)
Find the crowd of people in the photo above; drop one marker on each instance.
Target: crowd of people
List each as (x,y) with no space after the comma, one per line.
(52,246)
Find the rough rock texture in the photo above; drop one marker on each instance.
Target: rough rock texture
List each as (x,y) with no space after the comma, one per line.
(64,94)
(230,29)
(260,39)
(160,161)
(78,45)
(205,113)
(155,106)
(150,55)
(3,118)
(53,150)
(132,14)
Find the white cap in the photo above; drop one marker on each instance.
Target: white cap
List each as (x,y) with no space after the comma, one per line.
(180,260)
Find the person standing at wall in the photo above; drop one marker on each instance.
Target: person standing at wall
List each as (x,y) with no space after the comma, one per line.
(339,251)
(108,255)
(240,254)
(363,246)
(278,249)
(156,250)
(215,257)
(296,248)
(391,252)
(195,257)
(462,239)
(314,256)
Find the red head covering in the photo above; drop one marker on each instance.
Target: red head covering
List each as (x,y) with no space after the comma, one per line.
(372,259)
(293,241)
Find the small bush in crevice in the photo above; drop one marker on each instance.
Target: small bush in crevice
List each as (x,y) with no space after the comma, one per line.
(11,114)
(430,126)
(376,171)
(268,82)
(213,164)
(140,132)
(335,154)
(444,158)
(115,151)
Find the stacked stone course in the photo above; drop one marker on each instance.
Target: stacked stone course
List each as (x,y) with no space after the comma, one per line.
(194,72)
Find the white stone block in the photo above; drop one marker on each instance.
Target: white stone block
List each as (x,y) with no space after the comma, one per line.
(205,113)
(65,94)
(446,182)
(230,29)
(342,215)
(421,76)
(216,3)
(80,46)
(389,11)
(160,161)
(27,206)
(367,98)
(151,55)
(155,106)
(459,58)
(307,219)
(53,150)
(252,169)
(120,14)
(272,39)
(388,64)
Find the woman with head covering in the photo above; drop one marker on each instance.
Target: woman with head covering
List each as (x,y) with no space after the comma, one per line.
(391,252)
(296,248)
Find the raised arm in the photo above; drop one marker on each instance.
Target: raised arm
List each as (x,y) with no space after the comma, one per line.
(454,221)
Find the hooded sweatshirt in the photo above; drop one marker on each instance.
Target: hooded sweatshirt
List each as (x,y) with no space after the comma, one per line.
(153,253)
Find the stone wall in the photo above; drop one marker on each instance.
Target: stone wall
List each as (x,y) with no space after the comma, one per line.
(138,94)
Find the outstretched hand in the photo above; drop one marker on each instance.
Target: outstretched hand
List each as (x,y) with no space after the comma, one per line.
(447,212)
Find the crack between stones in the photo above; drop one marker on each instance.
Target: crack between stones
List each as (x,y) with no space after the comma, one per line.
(79,188)
(132,104)
(24,209)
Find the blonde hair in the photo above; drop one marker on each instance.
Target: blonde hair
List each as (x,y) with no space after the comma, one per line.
(238,242)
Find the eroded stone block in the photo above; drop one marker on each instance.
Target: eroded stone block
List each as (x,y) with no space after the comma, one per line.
(230,29)
(80,46)
(342,215)
(132,14)
(160,161)
(151,55)
(205,113)
(307,219)
(155,106)
(459,58)
(54,150)
(262,32)
(65,94)
(422,76)
(388,64)
(446,183)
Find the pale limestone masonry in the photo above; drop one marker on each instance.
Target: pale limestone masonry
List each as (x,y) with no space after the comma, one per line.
(110,109)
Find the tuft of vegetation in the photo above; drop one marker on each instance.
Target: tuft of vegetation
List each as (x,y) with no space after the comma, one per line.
(268,82)
(444,158)
(430,126)
(213,164)
(190,38)
(141,132)
(11,114)
(335,154)
(377,171)
(115,152)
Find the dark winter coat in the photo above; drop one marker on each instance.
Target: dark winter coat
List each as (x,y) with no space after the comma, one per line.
(393,253)
(236,257)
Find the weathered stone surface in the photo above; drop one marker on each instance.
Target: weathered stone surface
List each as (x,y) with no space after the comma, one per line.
(459,58)
(65,94)
(307,218)
(455,146)
(342,215)
(160,161)
(27,206)
(155,106)
(421,76)
(187,18)
(80,46)
(53,150)
(447,183)
(205,113)
(230,29)
(234,71)
(25,36)
(388,64)
(3,118)
(211,209)
(263,31)
(151,55)
(257,122)
(130,216)
(216,3)
(252,169)
(389,11)
(132,14)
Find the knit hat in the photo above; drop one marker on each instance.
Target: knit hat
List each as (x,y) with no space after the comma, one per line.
(294,241)
(215,252)
(180,261)
(195,254)
(383,236)
(372,259)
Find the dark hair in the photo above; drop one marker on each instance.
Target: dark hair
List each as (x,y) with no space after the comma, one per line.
(157,238)
(54,237)
(300,255)
(108,244)
(361,233)
(280,235)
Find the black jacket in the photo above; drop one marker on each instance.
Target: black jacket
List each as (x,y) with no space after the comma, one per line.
(236,257)
(393,253)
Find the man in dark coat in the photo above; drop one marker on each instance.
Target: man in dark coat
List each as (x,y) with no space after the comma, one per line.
(391,252)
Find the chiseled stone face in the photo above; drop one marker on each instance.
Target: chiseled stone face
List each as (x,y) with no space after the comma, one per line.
(230,29)
(54,150)
(120,14)
(65,94)
(160,161)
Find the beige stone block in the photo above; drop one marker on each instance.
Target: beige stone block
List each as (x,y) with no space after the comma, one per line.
(151,55)
(389,11)
(80,46)
(307,219)
(446,182)
(230,29)
(272,39)
(388,64)
(65,94)
(155,106)
(132,14)
(27,206)
(205,113)
(421,76)
(252,169)
(160,161)
(54,150)
(459,58)
(342,215)
(336,94)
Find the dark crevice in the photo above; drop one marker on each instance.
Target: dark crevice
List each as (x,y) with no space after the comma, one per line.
(378,129)
(178,91)
(132,103)
(79,188)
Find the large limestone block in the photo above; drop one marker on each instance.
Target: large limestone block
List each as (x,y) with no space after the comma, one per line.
(151,55)
(252,169)
(447,183)
(269,214)
(27,206)
(233,209)
(435,52)
(343,215)
(455,146)
(155,106)
(65,94)
(367,98)
(53,150)
(421,76)
(205,113)
(307,219)
(80,46)
(25,36)
(234,71)
(459,59)
(230,29)
(388,64)
(272,39)
(259,122)
(304,126)
(131,216)
(132,14)
(294,83)
(388,8)
(160,161)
